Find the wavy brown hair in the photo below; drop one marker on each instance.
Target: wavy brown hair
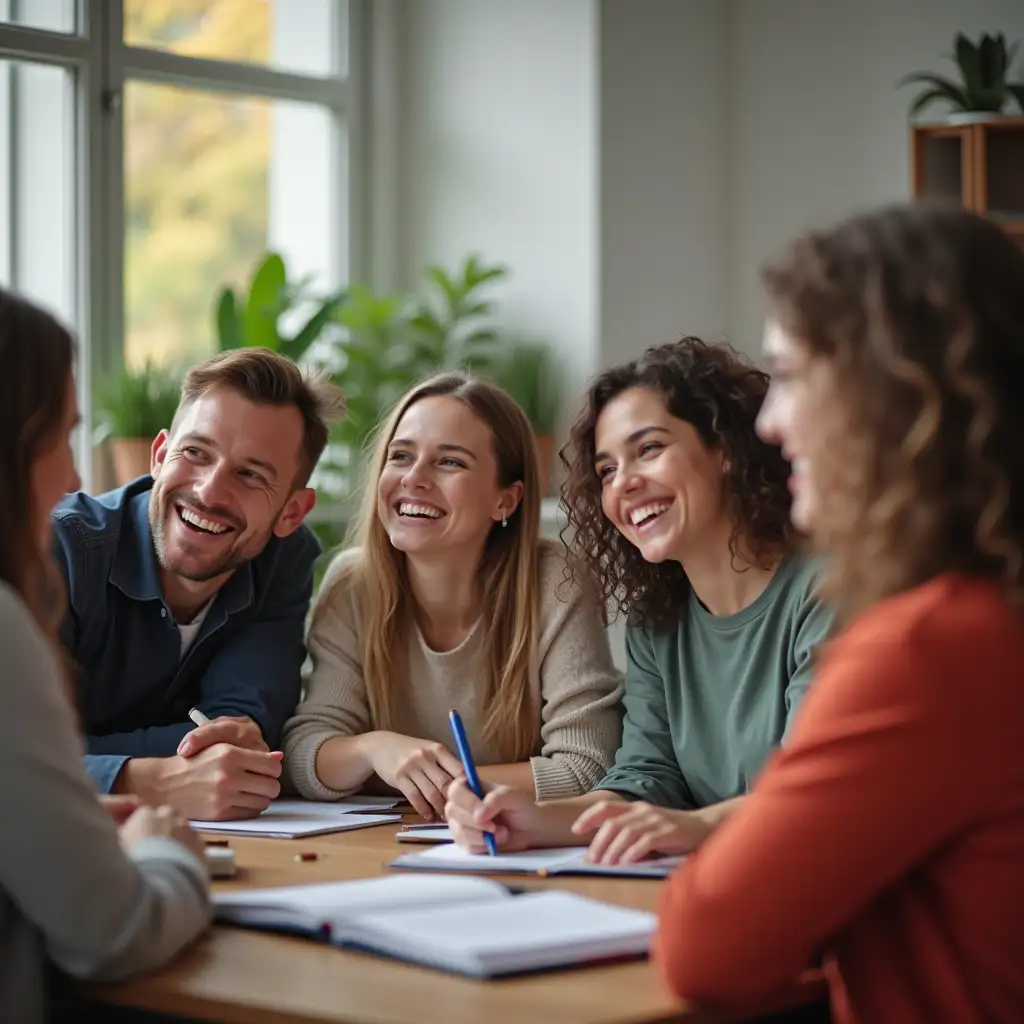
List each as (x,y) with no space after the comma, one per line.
(37,356)
(719,393)
(919,309)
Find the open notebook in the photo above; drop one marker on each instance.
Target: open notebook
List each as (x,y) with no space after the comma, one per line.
(567,860)
(295,819)
(470,926)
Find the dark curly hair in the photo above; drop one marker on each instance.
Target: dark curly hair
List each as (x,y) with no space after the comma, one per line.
(919,309)
(720,394)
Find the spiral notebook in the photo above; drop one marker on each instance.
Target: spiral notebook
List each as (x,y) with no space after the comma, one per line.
(471,926)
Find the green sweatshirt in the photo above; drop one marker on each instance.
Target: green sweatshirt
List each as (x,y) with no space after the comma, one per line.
(707,700)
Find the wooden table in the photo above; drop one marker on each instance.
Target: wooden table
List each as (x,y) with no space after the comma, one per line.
(246,976)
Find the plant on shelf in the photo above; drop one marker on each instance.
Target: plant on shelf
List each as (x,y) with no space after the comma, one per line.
(133,406)
(983,87)
(257,318)
(527,370)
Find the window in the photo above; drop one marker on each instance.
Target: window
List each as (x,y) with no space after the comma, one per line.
(151,152)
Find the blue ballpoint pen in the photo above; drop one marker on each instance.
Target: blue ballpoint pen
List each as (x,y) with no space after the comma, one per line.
(472,779)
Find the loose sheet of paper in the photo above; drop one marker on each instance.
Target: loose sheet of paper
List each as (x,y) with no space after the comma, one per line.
(296,818)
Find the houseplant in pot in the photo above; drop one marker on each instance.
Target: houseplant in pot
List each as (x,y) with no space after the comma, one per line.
(132,407)
(983,89)
(529,373)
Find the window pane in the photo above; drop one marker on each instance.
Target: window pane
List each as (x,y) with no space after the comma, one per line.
(211,183)
(37,184)
(54,15)
(290,35)
(37,198)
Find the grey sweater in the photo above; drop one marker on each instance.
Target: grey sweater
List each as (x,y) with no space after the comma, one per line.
(68,892)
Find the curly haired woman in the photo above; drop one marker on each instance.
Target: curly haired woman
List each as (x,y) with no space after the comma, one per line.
(890,831)
(680,514)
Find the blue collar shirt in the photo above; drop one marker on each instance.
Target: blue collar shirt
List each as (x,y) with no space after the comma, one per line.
(134,689)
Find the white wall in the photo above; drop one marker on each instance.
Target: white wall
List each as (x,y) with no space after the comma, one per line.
(663,207)
(500,156)
(817,127)
(636,161)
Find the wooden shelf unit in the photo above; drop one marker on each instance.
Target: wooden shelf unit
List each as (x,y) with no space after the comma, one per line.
(981,165)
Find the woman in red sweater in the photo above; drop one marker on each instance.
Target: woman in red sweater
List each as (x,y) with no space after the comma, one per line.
(889,835)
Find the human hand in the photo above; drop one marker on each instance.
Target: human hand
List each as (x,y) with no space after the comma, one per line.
(629,832)
(220,783)
(511,815)
(239,732)
(422,771)
(147,822)
(120,806)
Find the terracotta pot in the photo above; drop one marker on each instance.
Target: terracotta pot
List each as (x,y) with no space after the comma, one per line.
(546,461)
(131,458)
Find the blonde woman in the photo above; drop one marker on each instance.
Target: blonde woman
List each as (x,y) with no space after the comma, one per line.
(452,600)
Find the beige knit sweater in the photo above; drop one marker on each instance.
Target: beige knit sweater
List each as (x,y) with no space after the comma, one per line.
(577,688)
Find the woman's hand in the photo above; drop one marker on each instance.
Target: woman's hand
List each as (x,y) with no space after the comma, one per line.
(422,771)
(148,822)
(511,815)
(629,832)
(120,806)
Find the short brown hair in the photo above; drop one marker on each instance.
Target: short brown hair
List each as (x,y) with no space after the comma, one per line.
(719,393)
(267,378)
(919,309)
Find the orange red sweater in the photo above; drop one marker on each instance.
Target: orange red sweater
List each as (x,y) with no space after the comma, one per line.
(888,836)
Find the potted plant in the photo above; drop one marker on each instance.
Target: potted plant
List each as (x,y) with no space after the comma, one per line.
(133,406)
(983,88)
(529,373)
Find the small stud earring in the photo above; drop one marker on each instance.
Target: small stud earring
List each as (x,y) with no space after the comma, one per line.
(504,521)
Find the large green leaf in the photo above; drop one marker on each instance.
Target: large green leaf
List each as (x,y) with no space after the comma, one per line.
(295,348)
(266,295)
(229,327)
(968,59)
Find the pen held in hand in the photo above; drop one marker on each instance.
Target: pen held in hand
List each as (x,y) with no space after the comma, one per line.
(469,767)
(198,717)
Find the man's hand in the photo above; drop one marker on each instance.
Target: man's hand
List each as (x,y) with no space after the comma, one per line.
(629,832)
(239,732)
(120,806)
(422,771)
(220,783)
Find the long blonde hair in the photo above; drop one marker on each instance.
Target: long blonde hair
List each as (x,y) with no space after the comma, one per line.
(509,574)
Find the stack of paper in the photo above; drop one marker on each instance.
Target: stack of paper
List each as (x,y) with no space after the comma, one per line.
(567,860)
(294,819)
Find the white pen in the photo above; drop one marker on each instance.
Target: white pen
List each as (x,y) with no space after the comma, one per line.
(198,717)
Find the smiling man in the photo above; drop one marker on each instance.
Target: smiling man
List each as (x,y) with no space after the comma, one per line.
(190,586)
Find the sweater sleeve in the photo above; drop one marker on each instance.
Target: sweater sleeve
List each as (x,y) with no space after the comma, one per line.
(864,789)
(335,702)
(581,689)
(646,765)
(102,914)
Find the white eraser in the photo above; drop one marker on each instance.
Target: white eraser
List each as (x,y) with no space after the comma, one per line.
(221,861)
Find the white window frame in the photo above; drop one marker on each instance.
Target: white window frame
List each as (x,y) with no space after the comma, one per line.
(102,64)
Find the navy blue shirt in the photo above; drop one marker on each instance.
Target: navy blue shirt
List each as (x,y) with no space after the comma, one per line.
(134,689)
